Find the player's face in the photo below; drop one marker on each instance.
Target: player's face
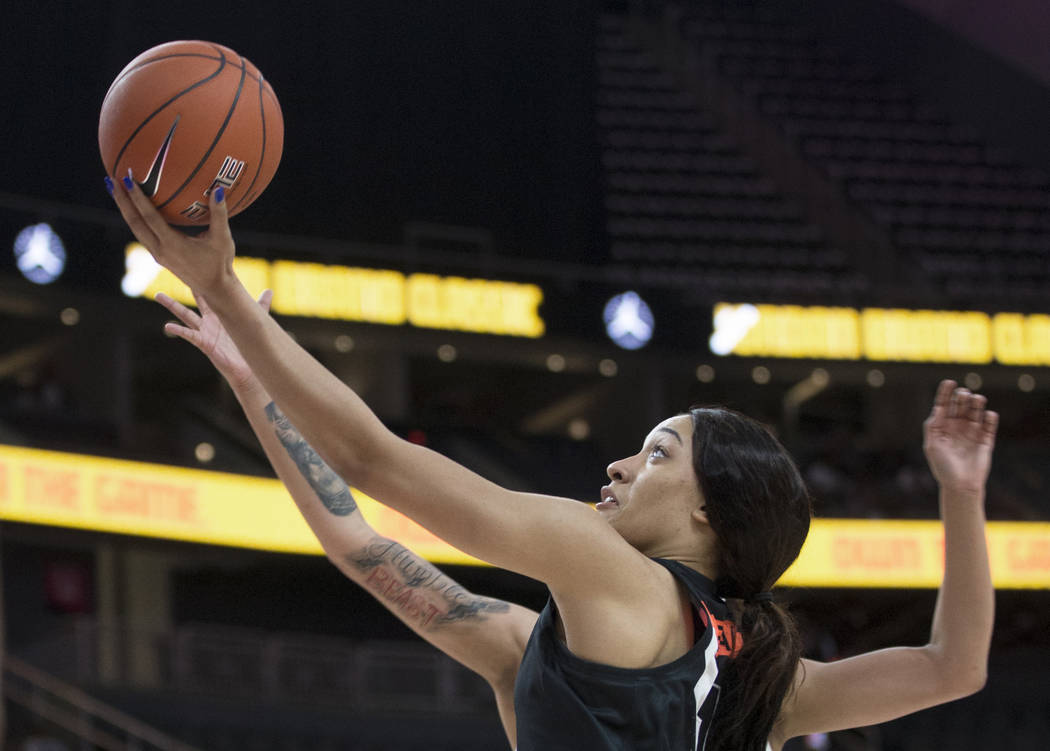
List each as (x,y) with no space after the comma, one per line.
(653,493)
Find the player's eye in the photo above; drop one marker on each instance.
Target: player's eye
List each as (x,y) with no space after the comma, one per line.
(658,452)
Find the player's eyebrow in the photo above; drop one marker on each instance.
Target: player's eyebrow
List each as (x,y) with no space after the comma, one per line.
(674,433)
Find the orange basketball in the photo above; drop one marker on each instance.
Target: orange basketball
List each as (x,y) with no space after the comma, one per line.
(186,118)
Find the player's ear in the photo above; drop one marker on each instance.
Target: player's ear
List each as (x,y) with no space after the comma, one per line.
(700,514)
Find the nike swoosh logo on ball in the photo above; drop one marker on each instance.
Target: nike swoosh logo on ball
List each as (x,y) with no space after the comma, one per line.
(152,182)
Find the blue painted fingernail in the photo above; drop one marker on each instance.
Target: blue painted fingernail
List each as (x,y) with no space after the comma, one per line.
(109,184)
(128,184)
(220,193)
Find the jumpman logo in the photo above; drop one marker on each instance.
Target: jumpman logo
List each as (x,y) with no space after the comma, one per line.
(627,320)
(39,253)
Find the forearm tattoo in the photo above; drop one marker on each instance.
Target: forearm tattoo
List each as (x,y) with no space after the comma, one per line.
(416,589)
(330,488)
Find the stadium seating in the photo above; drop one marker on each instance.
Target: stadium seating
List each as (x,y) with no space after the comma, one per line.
(960,212)
(684,203)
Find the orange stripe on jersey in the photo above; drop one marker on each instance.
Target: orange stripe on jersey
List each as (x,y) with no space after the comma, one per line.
(730,640)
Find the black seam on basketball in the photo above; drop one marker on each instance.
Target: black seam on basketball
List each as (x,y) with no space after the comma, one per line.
(168,57)
(113,169)
(262,152)
(222,129)
(144,63)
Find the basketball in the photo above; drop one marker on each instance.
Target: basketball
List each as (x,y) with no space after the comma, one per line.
(186,118)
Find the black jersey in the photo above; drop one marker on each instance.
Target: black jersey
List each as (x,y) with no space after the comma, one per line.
(565,702)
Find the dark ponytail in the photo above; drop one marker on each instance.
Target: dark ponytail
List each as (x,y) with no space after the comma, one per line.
(759,509)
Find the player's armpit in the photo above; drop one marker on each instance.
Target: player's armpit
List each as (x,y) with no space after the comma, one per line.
(867,689)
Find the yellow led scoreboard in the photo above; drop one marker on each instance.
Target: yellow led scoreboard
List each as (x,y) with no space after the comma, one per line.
(507,308)
(881,334)
(366,295)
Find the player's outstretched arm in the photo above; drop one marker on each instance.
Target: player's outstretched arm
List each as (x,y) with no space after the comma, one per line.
(558,541)
(484,634)
(959,436)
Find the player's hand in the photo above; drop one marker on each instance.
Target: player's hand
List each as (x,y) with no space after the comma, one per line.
(203,261)
(959,436)
(205,332)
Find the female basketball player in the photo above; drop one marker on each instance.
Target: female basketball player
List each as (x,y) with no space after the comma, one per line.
(660,632)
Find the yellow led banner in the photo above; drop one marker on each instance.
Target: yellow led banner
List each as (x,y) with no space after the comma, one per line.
(864,553)
(109,495)
(880,334)
(346,293)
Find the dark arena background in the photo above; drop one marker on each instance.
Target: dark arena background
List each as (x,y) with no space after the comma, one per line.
(858,188)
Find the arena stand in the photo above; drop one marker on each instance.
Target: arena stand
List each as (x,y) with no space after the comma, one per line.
(966,214)
(684,204)
(732,152)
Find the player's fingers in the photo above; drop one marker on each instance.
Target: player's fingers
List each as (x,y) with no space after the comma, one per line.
(182,332)
(220,216)
(989,426)
(202,303)
(132,217)
(941,397)
(940,406)
(959,405)
(976,406)
(150,216)
(265,299)
(179,310)
(973,412)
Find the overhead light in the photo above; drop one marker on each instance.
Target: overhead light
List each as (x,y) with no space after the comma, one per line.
(447,353)
(628,320)
(204,452)
(344,343)
(40,255)
(579,429)
(732,323)
(139,270)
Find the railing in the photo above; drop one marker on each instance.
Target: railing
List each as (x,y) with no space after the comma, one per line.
(283,668)
(75,711)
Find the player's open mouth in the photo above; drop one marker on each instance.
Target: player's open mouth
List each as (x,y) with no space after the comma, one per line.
(608,500)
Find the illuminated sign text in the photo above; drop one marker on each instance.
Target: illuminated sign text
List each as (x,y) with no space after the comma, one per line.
(109,495)
(936,336)
(348,293)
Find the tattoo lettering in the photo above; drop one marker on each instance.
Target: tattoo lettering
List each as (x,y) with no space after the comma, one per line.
(416,589)
(402,597)
(330,488)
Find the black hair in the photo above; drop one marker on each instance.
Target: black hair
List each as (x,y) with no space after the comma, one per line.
(759,509)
